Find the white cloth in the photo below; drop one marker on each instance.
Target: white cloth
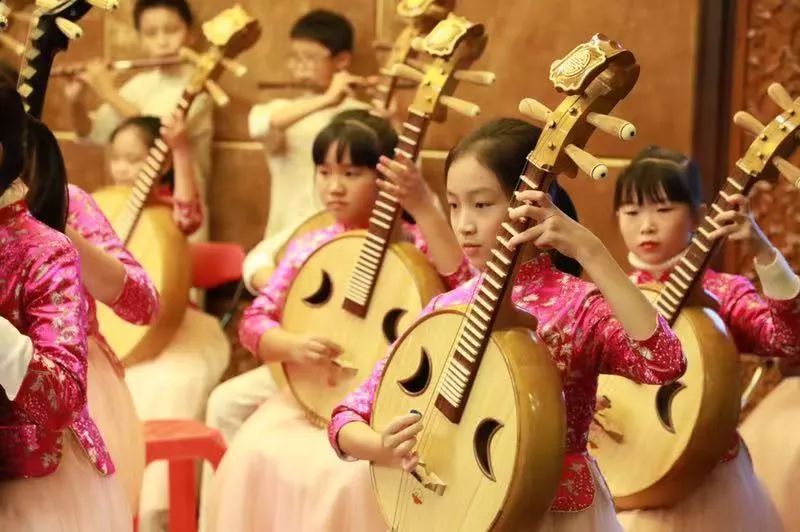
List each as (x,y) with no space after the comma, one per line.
(16,352)
(778,281)
(232,402)
(175,385)
(292,195)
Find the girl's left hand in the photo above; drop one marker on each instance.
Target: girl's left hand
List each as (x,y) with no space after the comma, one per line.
(405,182)
(553,229)
(738,224)
(174,132)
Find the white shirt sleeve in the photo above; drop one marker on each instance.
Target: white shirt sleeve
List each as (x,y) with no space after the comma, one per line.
(258,121)
(264,256)
(778,281)
(16,352)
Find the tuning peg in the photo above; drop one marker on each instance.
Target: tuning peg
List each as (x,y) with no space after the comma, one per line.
(216,93)
(781,97)
(237,69)
(189,55)
(71,30)
(47,5)
(787,170)
(12,44)
(746,121)
(404,71)
(587,162)
(535,110)
(382,46)
(478,77)
(460,106)
(108,5)
(612,125)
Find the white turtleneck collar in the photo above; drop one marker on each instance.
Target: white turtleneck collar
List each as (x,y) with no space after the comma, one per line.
(656,270)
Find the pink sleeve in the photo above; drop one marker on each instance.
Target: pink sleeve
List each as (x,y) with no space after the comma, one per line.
(137,303)
(357,406)
(762,326)
(266,311)
(53,391)
(462,274)
(598,334)
(188,215)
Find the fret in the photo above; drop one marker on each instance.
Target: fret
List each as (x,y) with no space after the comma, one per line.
(503,242)
(488,293)
(501,257)
(455,392)
(404,153)
(688,263)
(670,308)
(717,208)
(496,285)
(471,352)
(371,253)
(383,205)
(669,298)
(679,282)
(459,366)
(443,394)
(696,241)
(485,304)
(672,291)
(387,196)
(477,333)
(496,269)
(714,224)
(379,223)
(474,320)
(735,184)
(383,214)
(376,239)
(412,127)
(457,376)
(509,229)
(406,140)
(370,260)
(705,233)
(470,339)
(684,274)
(481,313)
(528,182)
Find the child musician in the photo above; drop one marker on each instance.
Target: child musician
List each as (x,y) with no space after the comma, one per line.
(658,205)
(589,329)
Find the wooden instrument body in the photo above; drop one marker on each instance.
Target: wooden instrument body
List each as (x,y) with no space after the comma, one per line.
(653,465)
(406,283)
(514,419)
(163,252)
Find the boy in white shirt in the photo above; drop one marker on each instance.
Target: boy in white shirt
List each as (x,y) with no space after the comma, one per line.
(321,51)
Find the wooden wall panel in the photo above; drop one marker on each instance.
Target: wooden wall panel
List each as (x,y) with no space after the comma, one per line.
(524,38)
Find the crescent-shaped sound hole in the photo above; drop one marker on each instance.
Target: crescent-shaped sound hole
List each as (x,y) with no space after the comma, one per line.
(323,293)
(483,445)
(418,382)
(664,397)
(391,323)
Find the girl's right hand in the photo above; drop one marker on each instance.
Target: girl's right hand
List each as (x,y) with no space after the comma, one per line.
(398,440)
(313,350)
(73,89)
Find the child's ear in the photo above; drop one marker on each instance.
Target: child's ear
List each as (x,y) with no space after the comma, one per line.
(342,60)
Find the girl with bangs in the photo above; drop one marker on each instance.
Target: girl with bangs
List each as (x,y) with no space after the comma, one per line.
(659,207)
(277,456)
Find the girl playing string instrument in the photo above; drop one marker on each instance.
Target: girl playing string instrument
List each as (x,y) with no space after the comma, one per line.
(177,382)
(55,470)
(658,205)
(278,457)
(585,333)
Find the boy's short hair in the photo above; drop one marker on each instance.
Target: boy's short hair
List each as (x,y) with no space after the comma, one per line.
(329,29)
(181,7)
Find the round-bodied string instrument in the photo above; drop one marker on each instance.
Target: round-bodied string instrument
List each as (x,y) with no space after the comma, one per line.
(491,450)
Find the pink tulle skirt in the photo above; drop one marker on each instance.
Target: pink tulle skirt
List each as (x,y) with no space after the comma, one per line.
(730,500)
(112,409)
(75,498)
(280,474)
(772,433)
(599,517)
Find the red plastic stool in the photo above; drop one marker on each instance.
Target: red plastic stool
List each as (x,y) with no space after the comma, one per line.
(181,442)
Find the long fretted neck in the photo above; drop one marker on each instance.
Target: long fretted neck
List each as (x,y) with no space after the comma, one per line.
(689,270)
(382,223)
(492,293)
(387,83)
(147,179)
(37,63)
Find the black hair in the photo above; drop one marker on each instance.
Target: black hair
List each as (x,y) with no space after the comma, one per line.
(31,152)
(364,136)
(331,30)
(658,174)
(502,146)
(181,7)
(149,128)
